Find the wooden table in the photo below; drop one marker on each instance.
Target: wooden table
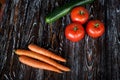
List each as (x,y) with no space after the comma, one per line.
(24,23)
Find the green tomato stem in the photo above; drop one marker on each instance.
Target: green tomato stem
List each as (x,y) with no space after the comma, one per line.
(75,28)
(96,25)
(81,12)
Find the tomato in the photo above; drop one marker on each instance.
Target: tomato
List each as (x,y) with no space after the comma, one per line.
(79,14)
(95,28)
(74,32)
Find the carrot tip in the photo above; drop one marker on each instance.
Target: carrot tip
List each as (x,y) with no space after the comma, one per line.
(69,69)
(64,60)
(59,71)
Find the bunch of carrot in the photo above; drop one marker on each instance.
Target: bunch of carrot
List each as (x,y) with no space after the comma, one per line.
(41,58)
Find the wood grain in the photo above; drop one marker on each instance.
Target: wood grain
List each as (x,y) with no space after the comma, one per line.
(23,22)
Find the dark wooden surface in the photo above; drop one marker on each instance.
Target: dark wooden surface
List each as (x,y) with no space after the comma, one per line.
(23,23)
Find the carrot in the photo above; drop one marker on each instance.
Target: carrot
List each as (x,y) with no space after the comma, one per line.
(45,52)
(41,58)
(37,64)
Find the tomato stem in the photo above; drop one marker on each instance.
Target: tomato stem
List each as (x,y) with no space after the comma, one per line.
(96,25)
(75,28)
(81,12)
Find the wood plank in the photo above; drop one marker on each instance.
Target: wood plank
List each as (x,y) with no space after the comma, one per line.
(23,23)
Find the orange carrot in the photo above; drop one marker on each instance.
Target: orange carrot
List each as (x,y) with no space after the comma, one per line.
(45,52)
(37,64)
(41,58)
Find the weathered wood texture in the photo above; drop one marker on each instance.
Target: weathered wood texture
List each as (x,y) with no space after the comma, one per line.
(89,59)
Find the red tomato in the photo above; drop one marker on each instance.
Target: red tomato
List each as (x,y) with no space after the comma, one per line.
(79,14)
(74,32)
(95,28)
